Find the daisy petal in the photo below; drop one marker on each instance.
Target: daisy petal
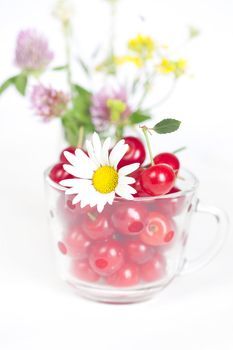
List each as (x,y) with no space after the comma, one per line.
(74,182)
(84,203)
(101,200)
(72,159)
(111,197)
(117,153)
(91,153)
(105,152)
(128,169)
(125,180)
(97,146)
(82,172)
(120,155)
(124,192)
(126,189)
(76,200)
(83,158)
(93,198)
(100,206)
(130,189)
(72,190)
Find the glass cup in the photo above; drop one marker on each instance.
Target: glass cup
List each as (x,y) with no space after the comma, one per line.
(133,249)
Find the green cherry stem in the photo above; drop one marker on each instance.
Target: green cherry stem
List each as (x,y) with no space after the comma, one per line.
(91,216)
(145,132)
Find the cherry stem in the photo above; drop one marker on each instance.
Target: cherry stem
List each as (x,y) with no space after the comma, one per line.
(91,216)
(179,150)
(145,132)
(80,137)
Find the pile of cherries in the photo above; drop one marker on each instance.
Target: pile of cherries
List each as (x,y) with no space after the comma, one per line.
(154,180)
(124,245)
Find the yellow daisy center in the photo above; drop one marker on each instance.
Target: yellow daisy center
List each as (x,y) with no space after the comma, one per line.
(105,179)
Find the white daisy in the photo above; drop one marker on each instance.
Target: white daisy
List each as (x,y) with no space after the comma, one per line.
(97,178)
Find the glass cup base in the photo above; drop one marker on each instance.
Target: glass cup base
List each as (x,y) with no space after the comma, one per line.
(115,296)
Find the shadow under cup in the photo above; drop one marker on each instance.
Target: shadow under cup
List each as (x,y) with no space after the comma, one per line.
(132,249)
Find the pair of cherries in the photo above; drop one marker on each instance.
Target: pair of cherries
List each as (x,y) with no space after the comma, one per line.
(155,180)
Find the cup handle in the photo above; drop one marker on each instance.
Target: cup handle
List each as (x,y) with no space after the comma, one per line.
(196,264)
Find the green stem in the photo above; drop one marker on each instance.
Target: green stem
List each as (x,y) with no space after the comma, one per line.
(80,137)
(147,84)
(119,132)
(68,55)
(145,132)
(179,150)
(91,216)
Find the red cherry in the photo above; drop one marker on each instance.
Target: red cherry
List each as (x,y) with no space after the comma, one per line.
(138,252)
(126,276)
(137,185)
(153,269)
(105,258)
(169,159)
(77,243)
(97,227)
(174,190)
(58,174)
(82,270)
(157,179)
(70,149)
(171,206)
(158,230)
(129,217)
(135,154)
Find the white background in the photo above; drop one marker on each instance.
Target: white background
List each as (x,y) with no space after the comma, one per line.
(36,310)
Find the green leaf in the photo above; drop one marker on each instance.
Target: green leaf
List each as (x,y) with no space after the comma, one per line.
(72,120)
(138,117)
(78,116)
(81,90)
(71,130)
(20,82)
(60,68)
(6,84)
(84,66)
(166,126)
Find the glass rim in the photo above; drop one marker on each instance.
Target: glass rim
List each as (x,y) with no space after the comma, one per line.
(181,193)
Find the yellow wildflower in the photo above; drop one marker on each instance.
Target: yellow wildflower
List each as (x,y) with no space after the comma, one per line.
(137,61)
(167,66)
(181,67)
(143,45)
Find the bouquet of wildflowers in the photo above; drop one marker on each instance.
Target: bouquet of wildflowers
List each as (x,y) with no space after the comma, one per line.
(111,108)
